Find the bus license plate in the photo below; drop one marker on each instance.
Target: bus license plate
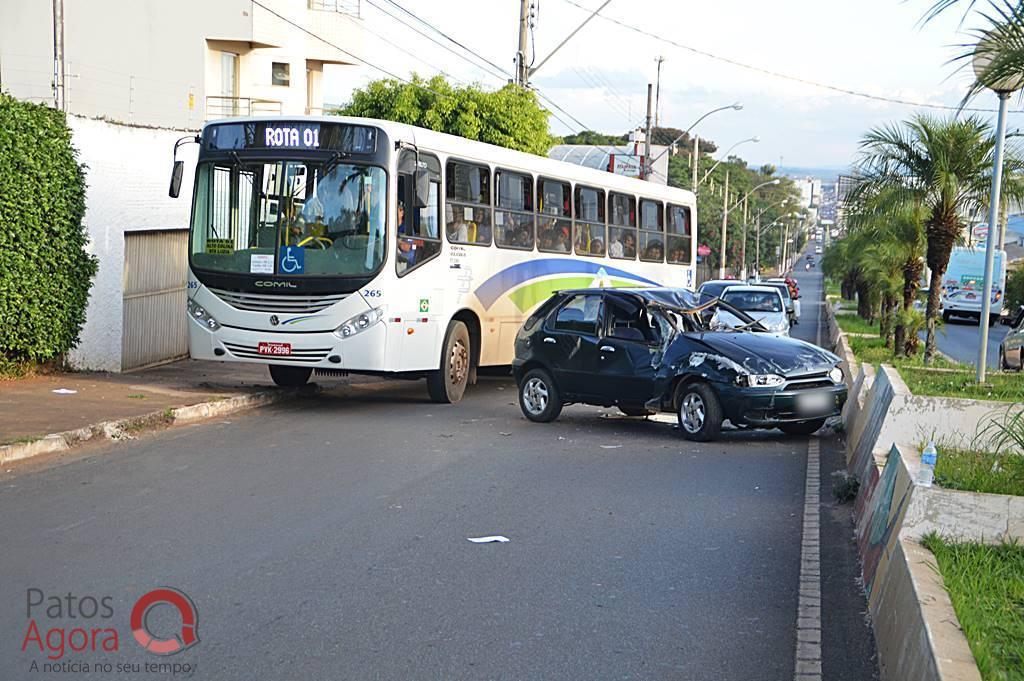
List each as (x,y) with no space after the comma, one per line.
(274,348)
(814,403)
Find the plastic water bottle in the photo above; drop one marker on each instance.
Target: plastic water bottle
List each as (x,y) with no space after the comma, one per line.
(926,473)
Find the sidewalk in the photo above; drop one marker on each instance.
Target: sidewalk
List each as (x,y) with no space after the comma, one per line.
(31,410)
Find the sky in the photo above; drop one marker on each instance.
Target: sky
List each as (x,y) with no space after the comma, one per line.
(600,77)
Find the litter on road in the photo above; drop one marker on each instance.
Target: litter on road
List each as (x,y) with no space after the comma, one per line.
(64,391)
(488,540)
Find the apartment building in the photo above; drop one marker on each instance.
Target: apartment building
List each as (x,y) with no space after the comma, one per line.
(137,75)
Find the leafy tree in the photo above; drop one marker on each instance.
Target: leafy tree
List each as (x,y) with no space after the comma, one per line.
(45,272)
(591,137)
(509,117)
(944,166)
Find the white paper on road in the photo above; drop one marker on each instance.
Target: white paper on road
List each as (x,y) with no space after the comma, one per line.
(610,446)
(488,540)
(64,391)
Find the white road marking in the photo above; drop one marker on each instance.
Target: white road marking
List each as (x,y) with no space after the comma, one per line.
(808,618)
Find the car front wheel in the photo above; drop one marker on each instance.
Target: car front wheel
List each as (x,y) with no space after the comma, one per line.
(802,427)
(538,397)
(699,412)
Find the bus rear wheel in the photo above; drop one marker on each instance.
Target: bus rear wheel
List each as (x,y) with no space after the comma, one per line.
(447,384)
(289,377)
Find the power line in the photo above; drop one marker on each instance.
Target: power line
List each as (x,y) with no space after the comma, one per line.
(784,76)
(499,75)
(450,39)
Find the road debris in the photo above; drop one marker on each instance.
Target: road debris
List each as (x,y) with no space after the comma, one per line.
(497,538)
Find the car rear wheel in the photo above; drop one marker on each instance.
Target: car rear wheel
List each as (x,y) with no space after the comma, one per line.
(289,377)
(946,316)
(538,397)
(699,412)
(802,427)
(447,384)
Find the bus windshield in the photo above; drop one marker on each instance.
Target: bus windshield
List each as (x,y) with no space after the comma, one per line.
(289,218)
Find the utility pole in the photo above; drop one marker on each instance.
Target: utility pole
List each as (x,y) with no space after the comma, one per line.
(657,93)
(59,101)
(725,222)
(743,248)
(696,160)
(757,250)
(646,174)
(522,68)
(785,248)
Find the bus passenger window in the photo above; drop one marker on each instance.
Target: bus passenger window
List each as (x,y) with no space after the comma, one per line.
(468,206)
(652,238)
(677,242)
(513,219)
(622,226)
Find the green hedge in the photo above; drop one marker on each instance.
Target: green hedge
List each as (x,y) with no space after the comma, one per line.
(45,273)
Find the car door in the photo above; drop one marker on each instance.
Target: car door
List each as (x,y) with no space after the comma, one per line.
(628,353)
(569,341)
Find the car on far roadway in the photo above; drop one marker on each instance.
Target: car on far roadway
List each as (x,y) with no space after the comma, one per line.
(763,303)
(650,350)
(966,303)
(1011,349)
(817,250)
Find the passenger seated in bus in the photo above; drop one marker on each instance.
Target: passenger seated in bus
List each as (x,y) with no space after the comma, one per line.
(624,248)
(654,251)
(562,240)
(596,247)
(406,246)
(677,254)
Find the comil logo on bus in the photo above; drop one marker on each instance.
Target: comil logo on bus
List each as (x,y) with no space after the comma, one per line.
(291,137)
(185,638)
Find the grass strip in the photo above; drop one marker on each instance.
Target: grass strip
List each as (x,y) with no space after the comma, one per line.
(980,471)
(986,585)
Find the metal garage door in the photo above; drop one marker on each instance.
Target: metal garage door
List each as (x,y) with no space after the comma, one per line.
(155,267)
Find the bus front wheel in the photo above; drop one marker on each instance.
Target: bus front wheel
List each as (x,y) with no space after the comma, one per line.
(448,383)
(289,377)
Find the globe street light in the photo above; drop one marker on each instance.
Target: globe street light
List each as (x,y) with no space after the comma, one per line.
(990,69)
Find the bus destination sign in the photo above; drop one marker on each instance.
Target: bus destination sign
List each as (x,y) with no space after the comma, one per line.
(298,135)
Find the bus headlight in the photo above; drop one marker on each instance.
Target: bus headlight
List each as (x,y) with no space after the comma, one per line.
(361,322)
(199,313)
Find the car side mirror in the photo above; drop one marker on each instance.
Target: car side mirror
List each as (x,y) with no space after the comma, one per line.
(176,173)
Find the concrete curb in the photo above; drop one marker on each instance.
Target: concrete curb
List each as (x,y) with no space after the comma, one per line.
(122,429)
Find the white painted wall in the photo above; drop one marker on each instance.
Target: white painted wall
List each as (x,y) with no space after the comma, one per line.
(129,170)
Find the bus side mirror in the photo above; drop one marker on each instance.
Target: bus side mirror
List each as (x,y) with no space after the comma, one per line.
(176,172)
(422,188)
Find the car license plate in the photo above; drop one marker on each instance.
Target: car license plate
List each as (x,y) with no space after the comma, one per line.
(266,348)
(971,296)
(814,403)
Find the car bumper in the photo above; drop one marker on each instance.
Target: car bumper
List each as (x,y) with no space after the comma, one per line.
(764,407)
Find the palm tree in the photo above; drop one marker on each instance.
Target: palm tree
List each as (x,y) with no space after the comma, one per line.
(895,230)
(943,166)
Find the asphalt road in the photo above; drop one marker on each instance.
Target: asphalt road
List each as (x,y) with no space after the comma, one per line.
(959,338)
(326,538)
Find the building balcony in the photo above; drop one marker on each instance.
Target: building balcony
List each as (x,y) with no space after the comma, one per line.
(230,107)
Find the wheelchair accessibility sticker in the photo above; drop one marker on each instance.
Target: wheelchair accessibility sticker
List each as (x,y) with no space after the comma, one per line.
(292,260)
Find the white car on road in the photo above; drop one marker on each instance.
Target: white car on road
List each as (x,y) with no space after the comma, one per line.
(763,303)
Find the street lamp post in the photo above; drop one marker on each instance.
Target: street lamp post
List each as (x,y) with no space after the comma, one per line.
(757,256)
(754,139)
(726,209)
(985,61)
(735,106)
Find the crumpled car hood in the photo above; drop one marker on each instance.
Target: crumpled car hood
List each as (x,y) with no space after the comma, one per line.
(761,353)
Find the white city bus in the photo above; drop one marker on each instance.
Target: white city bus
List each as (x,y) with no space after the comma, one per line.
(356,245)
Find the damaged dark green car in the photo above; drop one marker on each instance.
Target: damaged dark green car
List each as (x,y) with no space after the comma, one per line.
(653,350)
